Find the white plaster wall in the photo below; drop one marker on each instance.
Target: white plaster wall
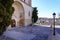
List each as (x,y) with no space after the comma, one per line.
(27,17)
(28,2)
(27,9)
(17,12)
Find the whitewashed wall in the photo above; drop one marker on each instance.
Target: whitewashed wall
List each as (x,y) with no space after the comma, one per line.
(17,12)
(27,9)
(28,2)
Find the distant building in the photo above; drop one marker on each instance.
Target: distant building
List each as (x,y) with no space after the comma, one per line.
(49,21)
(23,12)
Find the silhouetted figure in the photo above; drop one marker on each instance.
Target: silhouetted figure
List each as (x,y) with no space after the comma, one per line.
(13,23)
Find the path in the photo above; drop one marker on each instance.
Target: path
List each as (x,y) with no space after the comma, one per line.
(28,33)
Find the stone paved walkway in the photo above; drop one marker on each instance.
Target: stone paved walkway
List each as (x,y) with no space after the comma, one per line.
(27,33)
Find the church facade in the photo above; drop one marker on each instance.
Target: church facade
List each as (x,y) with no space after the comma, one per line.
(23,12)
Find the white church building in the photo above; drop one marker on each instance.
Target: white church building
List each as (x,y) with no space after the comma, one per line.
(23,12)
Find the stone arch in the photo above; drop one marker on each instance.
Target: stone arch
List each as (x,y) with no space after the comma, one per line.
(18,14)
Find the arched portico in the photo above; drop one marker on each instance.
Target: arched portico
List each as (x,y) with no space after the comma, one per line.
(18,14)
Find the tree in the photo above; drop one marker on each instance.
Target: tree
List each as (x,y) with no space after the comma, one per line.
(6,11)
(34,14)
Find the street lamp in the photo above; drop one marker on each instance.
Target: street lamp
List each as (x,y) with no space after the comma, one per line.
(54,14)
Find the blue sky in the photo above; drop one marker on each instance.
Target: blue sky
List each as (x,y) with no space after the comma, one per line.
(47,7)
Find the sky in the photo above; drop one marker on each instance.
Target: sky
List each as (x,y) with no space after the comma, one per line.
(47,7)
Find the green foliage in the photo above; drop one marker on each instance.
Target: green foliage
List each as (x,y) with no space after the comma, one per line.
(34,15)
(6,11)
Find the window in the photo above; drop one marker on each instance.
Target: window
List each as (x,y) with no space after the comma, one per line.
(29,13)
